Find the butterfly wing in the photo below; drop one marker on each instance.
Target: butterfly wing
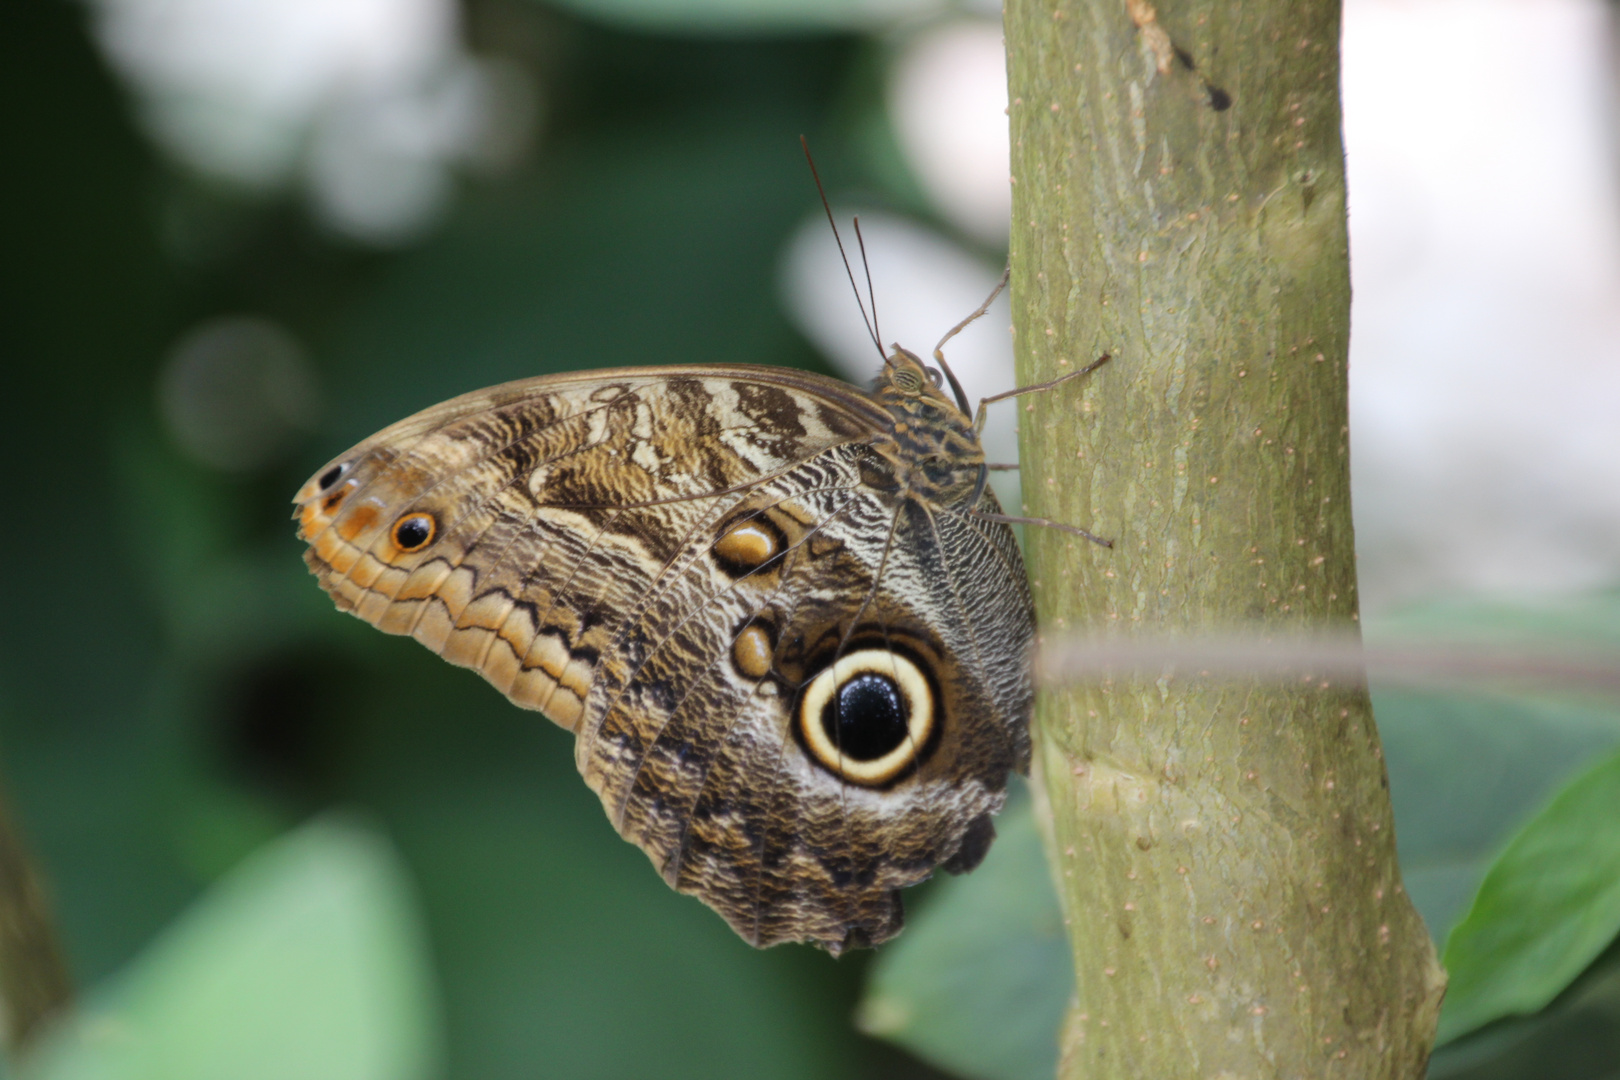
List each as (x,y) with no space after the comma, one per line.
(707,576)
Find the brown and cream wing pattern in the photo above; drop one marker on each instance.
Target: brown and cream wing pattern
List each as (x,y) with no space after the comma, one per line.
(701,573)
(706,754)
(527,513)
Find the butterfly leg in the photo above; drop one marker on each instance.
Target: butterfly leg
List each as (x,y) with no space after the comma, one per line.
(978,426)
(1009,519)
(984,403)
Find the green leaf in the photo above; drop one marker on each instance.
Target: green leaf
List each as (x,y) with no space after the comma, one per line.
(306,963)
(1547,908)
(1577,1038)
(979,982)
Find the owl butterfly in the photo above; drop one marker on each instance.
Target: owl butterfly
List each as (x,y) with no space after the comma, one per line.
(783,617)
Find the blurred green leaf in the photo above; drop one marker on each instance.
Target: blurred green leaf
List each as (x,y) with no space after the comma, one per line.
(1548,906)
(306,962)
(1576,1038)
(979,982)
(1468,767)
(1465,770)
(1591,618)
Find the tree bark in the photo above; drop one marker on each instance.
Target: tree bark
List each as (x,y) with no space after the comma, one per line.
(1225,849)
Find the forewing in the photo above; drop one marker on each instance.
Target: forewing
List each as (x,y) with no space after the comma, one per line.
(556,504)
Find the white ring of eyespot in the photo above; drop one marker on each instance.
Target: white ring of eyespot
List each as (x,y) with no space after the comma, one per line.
(919,701)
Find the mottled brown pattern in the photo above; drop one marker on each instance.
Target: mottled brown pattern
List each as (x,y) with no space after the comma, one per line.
(660,560)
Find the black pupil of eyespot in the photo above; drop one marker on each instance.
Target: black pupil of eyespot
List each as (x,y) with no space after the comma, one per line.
(412,532)
(867,718)
(330,476)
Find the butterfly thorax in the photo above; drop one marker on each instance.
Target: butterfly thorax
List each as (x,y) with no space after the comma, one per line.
(930,443)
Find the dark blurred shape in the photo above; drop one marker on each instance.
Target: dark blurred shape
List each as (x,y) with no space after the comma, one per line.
(286,723)
(1577,1037)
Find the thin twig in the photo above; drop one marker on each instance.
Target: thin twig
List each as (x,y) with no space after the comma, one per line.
(34,982)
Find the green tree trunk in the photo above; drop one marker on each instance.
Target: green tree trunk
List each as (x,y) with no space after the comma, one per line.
(1225,848)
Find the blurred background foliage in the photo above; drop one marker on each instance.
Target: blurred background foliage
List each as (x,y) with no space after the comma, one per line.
(214,275)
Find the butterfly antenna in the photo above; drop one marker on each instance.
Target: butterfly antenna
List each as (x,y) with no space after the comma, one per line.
(816,175)
(871,294)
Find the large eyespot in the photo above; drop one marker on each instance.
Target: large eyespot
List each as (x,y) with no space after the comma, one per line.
(413,532)
(868,717)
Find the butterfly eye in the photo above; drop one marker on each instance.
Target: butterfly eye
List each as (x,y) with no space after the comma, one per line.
(413,532)
(906,381)
(868,717)
(935,377)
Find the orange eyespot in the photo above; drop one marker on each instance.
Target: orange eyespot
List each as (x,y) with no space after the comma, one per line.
(413,532)
(331,501)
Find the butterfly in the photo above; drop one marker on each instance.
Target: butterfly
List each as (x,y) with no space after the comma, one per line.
(784,618)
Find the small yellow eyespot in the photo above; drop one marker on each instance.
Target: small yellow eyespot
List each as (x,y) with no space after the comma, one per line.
(867,717)
(748,544)
(415,531)
(751,652)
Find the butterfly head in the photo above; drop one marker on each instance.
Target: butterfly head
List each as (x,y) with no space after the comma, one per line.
(934,443)
(906,378)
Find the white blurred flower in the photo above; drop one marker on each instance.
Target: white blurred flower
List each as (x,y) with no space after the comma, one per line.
(368,102)
(379,163)
(947,101)
(925,284)
(1485,254)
